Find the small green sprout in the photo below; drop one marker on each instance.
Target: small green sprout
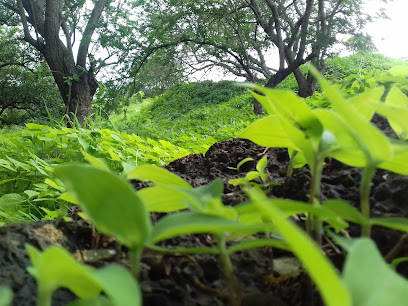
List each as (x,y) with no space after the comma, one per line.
(245,160)
(251,177)
(56,268)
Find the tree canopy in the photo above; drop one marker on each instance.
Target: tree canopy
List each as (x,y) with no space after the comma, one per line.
(245,37)
(26,86)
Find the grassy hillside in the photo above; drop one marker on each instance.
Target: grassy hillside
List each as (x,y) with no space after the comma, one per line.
(196,115)
(192,114)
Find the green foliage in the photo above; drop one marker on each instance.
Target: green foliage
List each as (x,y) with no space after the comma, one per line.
(118,202)
(360,43)
(253,177)
(39,187)
(372,286)
(344,133)
(27,90)
(56,268)
(193,115)
(362,63)
(318,266)
(27,155)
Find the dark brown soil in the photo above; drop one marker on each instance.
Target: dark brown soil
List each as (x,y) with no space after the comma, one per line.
(196,279)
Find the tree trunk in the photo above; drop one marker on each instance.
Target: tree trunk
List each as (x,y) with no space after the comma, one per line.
(306,85)
(76,87)
(79,105)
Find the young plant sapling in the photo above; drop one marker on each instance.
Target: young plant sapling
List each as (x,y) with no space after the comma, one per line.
(320,269)
(292,124)
(372,142)
(111,204)
(251,177)
(56,268)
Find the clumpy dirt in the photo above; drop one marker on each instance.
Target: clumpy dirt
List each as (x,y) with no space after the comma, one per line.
(196,280)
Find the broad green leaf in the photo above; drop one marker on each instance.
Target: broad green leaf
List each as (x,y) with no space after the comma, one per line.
(55,268)
(97,162)
(113,155)
(298,121)
(295,111)
(346,149)
(399,162)
(320,269)
(397,117)
(157,175)
(68,197)
(53,184)
(84,143)
(395,109)
(370,280)
(396,97)
(372,141)
(250,176)
(299,160)
(400,224)
(11,202)
(261,165)
(162,199)
(184,223)
(34,126)
(261,98)
(119,285)
(344,210)
(200,198)
(110,202)
(400,70)
(6,296)
(31,193)
(268,132)
(362,102)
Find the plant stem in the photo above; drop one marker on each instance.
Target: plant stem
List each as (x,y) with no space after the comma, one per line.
(232,284)
(44,297)
(290,167)
(135,257)
(314,225)
(365,190)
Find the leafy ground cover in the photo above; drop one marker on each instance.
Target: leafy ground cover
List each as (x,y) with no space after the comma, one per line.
(28,190)
(213,229)
(194,115)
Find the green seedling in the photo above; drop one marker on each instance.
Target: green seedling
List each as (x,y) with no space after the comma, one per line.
(245,160)
(377,149)
(343,133)
(292,124)
(56,268)
(116,209)
(333,290)
(112,205)
(251,177)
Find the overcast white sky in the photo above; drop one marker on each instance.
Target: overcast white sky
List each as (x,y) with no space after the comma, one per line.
(390,36)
